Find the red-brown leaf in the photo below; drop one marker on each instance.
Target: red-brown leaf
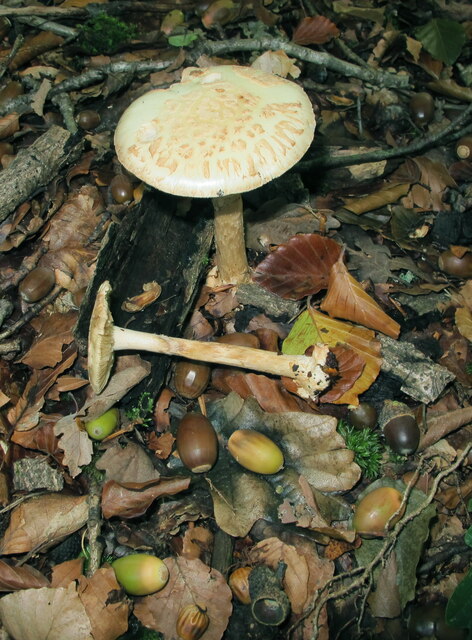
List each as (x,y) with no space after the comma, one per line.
(132,500)
(24,577)
(300,267)
(350,368)
(314,30)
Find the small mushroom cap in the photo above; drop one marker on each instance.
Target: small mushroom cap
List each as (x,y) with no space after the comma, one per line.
(100,340)
(221,130)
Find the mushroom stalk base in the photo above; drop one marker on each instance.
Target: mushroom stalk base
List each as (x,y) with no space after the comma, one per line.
(230,244)
(305,370)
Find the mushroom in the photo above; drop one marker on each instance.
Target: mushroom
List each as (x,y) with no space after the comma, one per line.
(104,339)
(217,133)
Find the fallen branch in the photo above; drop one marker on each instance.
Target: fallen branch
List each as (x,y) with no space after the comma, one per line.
(324,595)
(372,76)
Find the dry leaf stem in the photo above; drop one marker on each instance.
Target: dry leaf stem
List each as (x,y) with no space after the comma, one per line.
(363,574)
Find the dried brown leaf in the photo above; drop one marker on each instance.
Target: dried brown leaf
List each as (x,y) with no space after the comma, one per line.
(24,577)
(350,367)
(41,438)
(190,582)
(463,318)
(53,332)
(300,267)
(278,63)
(43,521)
(66,572)
(161,445)
(9,125)
(133,499)
(128,463)
(314,30)
(195,541)
(108,614)
(75,442)
(34,46)
(347,299)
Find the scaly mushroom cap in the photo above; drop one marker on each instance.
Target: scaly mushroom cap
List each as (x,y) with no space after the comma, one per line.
(100,340)
(221,130)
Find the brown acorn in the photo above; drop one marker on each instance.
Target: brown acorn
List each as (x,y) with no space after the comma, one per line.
(456,265)
(121,188)
(197,443)
(37,284)
(239,584)
(399,427)
(363,416)
(191,378)
(464,148)
(192,622)
(88,119)
(422,108)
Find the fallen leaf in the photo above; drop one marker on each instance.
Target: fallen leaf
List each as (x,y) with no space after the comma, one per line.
(384,601)
(24,577)
(277,63)
(42,521)
(195,541)
(45,614)
(133,499)
(9,125)
(66,572)
(53,332)
(349,366)
(299,268)
(347,299)
(34,46)
(75,443)
(108,613)
(314,30)
(190,582)
(129,463)
(463,318)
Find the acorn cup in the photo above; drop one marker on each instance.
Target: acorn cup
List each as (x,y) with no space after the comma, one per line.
(269,602)
(399,426)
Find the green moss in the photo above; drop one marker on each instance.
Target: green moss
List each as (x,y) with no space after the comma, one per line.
(366,446)
(103,34)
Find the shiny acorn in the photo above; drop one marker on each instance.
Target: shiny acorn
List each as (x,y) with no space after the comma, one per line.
(192,622)
(422,108)
(37,284)
(399,427)
(141,574)
(374,510)
(121,188)
(255,451)
(191,378)
(238,582)
(456,265)
(363,416)
(101,427)
(197,443)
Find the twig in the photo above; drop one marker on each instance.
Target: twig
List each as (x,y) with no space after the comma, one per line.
(14,50)
(13,346)
(324,595)
(319,58)
(65,106)
(426,142)
(31,313)
(94,525)
(48,25)
(72,12)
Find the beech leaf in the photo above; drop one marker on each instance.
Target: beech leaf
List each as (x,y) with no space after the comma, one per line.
(314,30)
(347,299)
(128,463)
(299,268)
(190,582)
(24,577)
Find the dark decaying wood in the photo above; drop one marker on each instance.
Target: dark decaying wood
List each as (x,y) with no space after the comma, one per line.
(34,167)
(152,243)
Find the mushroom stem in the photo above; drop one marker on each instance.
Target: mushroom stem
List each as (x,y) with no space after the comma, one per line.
(105,338)
(231,257)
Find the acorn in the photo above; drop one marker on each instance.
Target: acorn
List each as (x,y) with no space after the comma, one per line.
(141,574)
(104,425)
(363,416)
(456,265)
(238,582)
(121,188)
(192,622)
(88,119)
(197,443)
(399,427)
(375,509)
(191,378)
(255,451)
(37,284)
(464,148)
(421,108)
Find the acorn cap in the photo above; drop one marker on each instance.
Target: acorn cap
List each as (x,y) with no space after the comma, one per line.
(221,130)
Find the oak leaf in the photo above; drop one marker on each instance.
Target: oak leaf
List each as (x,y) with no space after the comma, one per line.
(314,30)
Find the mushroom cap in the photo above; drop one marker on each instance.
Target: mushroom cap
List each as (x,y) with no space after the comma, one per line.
(219,131)
(100,340)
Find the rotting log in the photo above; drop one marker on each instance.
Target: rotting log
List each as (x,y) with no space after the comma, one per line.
(35,167)
(152,243)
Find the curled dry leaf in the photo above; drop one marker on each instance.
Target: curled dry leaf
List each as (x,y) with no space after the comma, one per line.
(196,541)
(24,577)
(347,299)
(314,30)
(108,614)
(190,582)
(278,63)
(151,292)
(311,325)
(9,125)
(133,499)
(350,366)
(299,268)
(43,521)
(45,614)
(53,332)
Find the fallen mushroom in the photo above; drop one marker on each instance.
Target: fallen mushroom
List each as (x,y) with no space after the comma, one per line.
(105,339)
(219,132)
